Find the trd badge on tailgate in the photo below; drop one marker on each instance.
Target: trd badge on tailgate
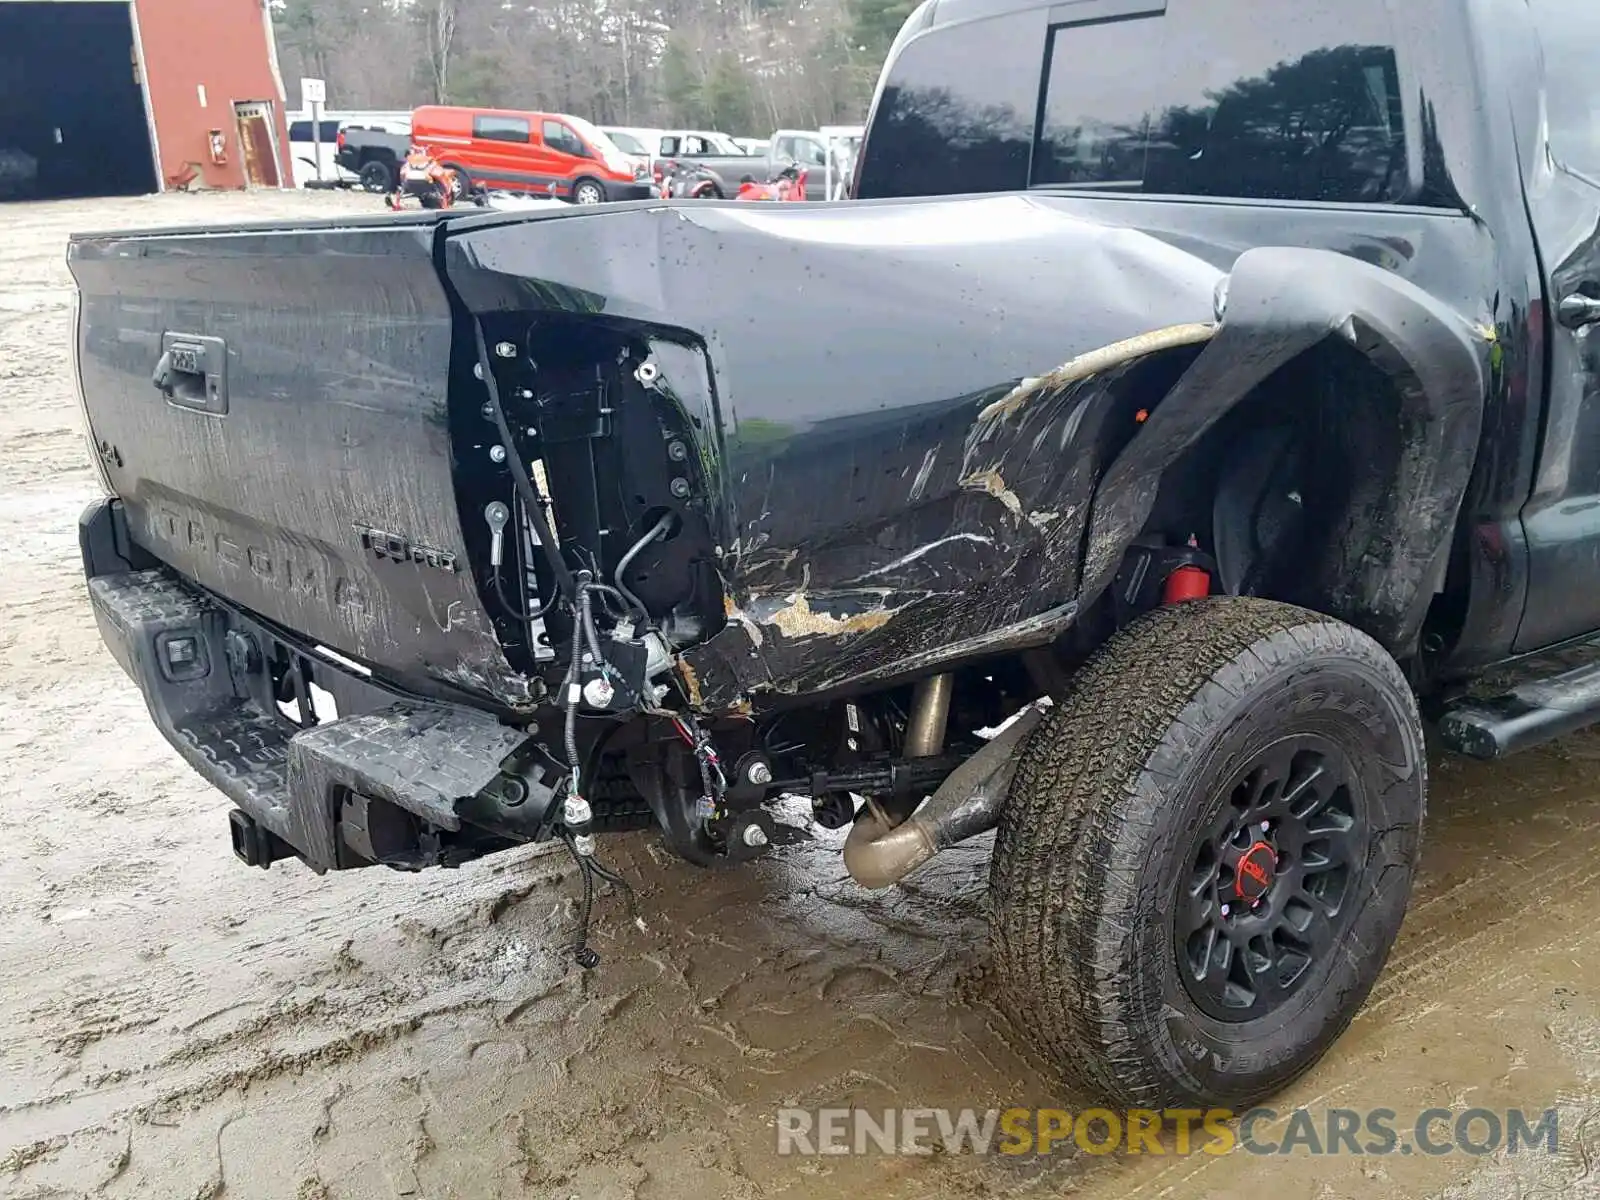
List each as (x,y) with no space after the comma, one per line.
(399,548)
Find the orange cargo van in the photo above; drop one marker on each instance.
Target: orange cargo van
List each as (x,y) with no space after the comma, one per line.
(530,152)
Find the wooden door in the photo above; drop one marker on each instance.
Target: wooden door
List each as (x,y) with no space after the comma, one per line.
(257,144)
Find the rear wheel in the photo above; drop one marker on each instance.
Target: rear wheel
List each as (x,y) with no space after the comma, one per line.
(460,182)
(1207,852)
(377,177)
(588,191)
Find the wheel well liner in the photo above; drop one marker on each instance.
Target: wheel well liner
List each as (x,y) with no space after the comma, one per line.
(1281,303)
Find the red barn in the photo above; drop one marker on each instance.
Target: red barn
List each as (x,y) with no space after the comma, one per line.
(123,97)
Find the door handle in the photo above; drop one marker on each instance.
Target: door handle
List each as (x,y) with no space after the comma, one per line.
(1578,310)
(192,373)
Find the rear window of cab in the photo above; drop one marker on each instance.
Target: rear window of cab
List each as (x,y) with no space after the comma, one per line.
(1252,99)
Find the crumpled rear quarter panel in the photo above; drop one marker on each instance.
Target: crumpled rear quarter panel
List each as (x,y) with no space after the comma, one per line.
(871,519)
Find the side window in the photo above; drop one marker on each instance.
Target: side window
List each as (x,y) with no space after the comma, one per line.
(501,129)
(559,137)
(300,131)
(329,131)
(783,149)
(1259,106)
(1569,31)
(809,153)
(956,111)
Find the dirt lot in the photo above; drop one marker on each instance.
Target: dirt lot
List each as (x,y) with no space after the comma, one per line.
(174,1025)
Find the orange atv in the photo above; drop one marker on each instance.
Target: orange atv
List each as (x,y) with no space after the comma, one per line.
(422,176)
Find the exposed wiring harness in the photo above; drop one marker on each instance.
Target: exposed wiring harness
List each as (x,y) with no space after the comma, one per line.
(579,590)
(577,815)
(532,501)
(589,869)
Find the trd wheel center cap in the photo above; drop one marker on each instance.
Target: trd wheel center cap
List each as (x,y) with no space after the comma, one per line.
(1254,872)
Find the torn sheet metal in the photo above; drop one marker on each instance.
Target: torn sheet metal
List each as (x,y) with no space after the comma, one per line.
(883,404)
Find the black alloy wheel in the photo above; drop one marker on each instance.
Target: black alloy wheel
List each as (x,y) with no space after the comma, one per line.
(1264,900)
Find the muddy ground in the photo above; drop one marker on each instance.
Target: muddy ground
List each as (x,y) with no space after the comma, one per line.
(173,1024)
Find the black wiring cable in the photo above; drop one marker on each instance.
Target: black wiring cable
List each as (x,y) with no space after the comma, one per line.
(515,613)
(582,953)
(578,591)
(656,531)
(533,501)
(586,622)
(629,606)
(590,868)
(616,880)
(570,700)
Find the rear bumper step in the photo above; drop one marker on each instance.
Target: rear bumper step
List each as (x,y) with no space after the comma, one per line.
(294,785)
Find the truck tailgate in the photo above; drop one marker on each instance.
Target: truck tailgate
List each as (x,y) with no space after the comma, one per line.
(298,461)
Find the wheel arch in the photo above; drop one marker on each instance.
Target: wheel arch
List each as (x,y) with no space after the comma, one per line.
(1425,370)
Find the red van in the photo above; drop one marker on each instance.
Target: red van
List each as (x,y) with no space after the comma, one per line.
(530,152)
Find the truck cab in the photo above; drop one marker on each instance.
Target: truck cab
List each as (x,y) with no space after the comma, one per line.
(1352,124)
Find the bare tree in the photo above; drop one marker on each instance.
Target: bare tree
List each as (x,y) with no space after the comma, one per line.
(439,20)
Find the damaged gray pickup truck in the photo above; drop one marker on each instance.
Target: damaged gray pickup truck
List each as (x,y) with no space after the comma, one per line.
(1253,414)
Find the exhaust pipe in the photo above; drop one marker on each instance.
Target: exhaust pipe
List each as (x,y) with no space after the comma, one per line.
(967,803)
(930,713)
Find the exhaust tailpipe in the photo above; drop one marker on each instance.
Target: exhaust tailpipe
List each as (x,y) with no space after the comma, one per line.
(967,803)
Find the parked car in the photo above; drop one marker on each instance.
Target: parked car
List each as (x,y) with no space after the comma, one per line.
(534,152)
(709,153)
(842,144)
(303,148)
(638,143)
(1257,418)
(372,157)
(303,153)
(697,143)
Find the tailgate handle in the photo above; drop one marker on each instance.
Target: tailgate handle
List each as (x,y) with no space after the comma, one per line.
(192,373)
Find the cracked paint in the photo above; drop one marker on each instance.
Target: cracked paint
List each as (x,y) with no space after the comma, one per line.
(798,620)
(989,481)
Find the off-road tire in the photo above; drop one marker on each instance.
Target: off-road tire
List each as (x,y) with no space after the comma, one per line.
(1112,789)
(377,177)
